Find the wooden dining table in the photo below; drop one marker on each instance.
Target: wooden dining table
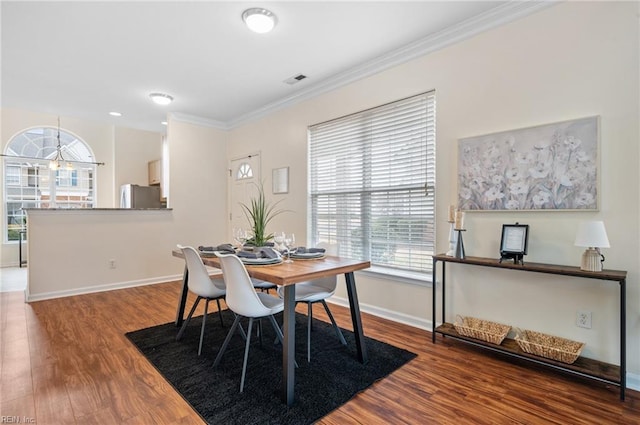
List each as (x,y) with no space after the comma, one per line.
(287,275)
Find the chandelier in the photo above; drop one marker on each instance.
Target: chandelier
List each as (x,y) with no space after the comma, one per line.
(56,163)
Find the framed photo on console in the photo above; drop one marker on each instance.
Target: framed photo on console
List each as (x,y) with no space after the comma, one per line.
(514,242)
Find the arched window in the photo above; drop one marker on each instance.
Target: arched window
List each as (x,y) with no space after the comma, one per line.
(244,171)
(30,182)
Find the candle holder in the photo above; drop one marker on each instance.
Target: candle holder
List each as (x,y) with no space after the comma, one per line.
(453,240)
(459,244)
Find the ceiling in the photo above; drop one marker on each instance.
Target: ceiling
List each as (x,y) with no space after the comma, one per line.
(86,59)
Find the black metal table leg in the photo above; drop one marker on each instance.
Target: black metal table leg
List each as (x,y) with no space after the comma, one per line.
(444,292)
(434,277)
(623,338)
(288,344)
(355,317)
(183,297)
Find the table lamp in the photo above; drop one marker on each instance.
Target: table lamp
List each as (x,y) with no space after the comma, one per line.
(592,234)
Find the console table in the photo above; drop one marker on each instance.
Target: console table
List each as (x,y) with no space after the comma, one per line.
(585,367)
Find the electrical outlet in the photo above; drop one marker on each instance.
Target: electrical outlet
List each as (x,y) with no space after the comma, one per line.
(112,264)
(583,319)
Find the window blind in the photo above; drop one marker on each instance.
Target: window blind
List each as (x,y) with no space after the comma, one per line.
(371,184)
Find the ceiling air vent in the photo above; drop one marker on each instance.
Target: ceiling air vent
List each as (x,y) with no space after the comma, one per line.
(295,79)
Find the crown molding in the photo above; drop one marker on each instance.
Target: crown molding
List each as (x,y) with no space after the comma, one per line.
(493,18)
(196,120)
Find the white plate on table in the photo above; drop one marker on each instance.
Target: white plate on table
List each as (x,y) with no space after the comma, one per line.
(260,261)
(307,255)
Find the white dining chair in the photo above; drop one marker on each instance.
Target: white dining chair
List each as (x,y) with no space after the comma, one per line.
(314,291)
(200,283)
(262,285)
(244,301)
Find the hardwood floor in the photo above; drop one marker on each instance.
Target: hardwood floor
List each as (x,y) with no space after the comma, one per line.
(67,361)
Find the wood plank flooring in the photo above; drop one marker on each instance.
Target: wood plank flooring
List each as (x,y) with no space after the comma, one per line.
(67,361)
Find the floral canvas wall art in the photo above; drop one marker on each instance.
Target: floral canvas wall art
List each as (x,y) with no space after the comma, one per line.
(548,167)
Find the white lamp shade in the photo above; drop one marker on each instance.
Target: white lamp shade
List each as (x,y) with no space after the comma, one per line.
(592,234)
(259,20)
(161,98)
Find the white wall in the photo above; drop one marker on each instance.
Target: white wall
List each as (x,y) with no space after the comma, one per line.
(133,151)
(198,183)
(569,61)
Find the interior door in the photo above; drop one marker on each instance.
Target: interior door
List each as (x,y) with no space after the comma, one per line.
(244,179)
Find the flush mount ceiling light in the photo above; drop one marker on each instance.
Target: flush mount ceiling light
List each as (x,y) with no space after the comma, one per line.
(115,114)
(259,20)
(161,98)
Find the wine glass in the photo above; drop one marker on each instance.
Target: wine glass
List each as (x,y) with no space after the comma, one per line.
(289,242)
(240,235)
(278,239)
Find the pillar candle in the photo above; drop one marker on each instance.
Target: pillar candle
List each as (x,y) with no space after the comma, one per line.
(452,212)
(459,220)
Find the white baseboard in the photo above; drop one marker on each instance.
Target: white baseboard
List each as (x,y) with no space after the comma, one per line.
(633,380)
(394,316)
(100,288)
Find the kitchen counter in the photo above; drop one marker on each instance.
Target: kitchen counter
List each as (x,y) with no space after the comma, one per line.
(75,251)
(97,209)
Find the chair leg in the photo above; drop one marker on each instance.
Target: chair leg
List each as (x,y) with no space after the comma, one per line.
(309,321)
(246,354)
(220,312)
(242,334)
(279,335)
(186,322)
(275,341)
(333,322)
(276,328)
(204,320)
(226,341)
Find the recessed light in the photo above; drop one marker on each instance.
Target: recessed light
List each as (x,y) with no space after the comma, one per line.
(163,122)
(259,20)
(161,98)
(115,114)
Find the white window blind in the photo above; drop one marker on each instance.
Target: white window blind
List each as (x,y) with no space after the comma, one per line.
(372,179)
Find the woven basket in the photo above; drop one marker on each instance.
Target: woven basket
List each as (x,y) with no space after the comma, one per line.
(549,346)
(481,329)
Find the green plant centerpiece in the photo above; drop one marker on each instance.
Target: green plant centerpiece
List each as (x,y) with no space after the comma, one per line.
(259,213)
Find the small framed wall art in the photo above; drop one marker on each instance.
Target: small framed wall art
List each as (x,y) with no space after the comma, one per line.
(280,178)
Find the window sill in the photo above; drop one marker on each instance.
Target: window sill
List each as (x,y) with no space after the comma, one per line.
(403,276)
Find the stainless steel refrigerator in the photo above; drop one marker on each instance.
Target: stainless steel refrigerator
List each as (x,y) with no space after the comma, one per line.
(135,196)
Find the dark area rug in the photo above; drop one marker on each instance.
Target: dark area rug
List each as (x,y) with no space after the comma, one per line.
(331,379)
